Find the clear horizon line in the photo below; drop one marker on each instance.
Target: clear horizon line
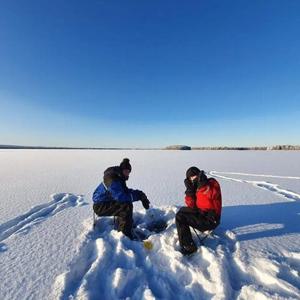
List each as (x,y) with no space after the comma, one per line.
(170,147)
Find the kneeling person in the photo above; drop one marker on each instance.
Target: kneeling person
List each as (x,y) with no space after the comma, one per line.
(113,198)
(203,211)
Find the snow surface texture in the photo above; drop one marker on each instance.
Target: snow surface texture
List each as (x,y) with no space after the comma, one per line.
(49,249)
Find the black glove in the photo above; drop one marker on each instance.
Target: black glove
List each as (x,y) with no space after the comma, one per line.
(144,199)
(190,188)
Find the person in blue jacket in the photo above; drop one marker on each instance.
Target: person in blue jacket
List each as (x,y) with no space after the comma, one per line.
(113,198)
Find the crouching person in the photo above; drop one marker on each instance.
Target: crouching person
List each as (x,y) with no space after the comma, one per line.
(203,211)
(113,198)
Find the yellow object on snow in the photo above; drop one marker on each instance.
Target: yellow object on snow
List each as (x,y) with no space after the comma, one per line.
(148,245)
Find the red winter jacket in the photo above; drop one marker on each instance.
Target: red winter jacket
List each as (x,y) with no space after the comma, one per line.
(208,197)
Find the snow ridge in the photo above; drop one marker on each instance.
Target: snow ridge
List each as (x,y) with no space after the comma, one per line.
(256,175)
(23,223)
(275,188)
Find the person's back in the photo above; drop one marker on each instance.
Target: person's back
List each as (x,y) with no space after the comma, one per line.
(113,187)
(208,198)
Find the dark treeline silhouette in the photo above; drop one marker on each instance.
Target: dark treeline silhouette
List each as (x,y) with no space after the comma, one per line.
(172,147)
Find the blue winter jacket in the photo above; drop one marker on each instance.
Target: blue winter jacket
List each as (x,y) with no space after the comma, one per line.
(115,188)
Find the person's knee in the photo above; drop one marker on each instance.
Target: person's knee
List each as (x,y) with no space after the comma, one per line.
(179,217)
(127,206)
(126,209)
(97,209)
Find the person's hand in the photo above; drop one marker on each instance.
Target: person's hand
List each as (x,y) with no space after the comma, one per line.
(145,201)
(188,184)
(190,187)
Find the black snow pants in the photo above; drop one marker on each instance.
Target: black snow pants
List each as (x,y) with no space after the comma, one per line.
(122,210)
(193,217)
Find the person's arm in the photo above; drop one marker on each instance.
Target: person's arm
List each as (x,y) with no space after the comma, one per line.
(190,194)
(136,194)
(217,196)
(190,201)
(120,194)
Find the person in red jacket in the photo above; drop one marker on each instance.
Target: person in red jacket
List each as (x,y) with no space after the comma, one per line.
(203,211)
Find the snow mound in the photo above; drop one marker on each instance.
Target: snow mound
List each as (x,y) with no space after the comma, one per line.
(110,266)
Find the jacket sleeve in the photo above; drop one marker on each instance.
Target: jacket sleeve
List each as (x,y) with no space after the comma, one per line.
(120,194)
(217,196)
(135,194)
(189,201)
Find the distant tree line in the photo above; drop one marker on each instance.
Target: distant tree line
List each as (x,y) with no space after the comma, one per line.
(61,148)
(229,148)
(172,147)
(178,147)
(284,147)
(277,147)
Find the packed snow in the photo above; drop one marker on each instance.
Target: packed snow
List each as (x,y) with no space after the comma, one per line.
(49,248)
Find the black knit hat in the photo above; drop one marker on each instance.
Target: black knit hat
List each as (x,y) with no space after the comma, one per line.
(125,165)
(192,171)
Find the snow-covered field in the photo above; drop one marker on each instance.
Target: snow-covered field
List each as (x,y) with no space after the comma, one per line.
(49,250)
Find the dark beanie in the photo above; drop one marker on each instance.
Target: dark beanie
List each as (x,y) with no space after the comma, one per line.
(125,165)
(192,171)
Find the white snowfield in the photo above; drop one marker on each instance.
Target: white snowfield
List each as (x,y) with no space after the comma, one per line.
(50,250)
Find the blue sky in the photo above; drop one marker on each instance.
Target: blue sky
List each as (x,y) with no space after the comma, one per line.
(149,73)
